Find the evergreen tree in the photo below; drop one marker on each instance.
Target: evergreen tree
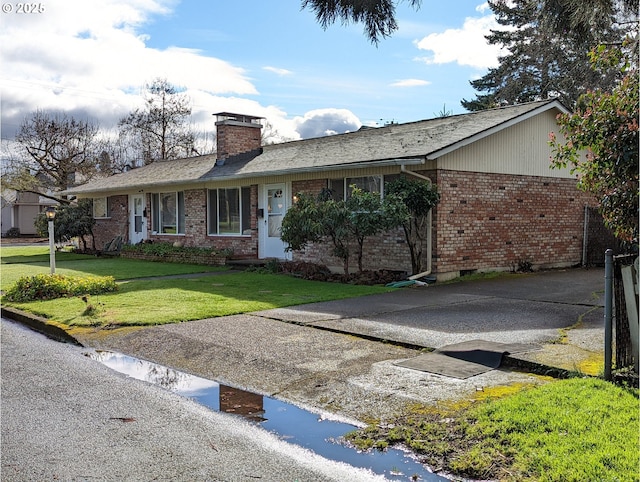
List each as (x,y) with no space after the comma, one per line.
(548,44)
(378,16)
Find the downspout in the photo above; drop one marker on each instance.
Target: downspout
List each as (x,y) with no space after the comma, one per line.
(403,169)
(585,236)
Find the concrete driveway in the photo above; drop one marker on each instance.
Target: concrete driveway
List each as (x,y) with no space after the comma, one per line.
(527,308)
(308,354)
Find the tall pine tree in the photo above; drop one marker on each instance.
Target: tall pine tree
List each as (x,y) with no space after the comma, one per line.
(548,44)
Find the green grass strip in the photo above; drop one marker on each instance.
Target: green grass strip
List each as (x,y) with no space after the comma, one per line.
(575,430)
(150,302)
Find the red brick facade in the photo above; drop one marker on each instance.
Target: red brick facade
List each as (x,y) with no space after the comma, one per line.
(195,225)
(389,251)
(483,222)
(494,221)
(116,225)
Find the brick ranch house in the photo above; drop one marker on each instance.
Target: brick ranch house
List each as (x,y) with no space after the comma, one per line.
(501,203)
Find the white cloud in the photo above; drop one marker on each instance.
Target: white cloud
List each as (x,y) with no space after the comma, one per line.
(465,46)
(276,70)
(483,7)
(325,122)
(91,59)
(410,83)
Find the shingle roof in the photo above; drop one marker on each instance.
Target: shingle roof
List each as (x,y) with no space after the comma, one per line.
(420,139)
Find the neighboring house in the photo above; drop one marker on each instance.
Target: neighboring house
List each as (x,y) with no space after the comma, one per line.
(501,203)
(20,210)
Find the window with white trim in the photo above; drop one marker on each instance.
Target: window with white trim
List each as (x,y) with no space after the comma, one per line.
(229,211)
(167,212)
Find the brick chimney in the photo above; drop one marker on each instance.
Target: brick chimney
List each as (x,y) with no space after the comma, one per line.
(236,134)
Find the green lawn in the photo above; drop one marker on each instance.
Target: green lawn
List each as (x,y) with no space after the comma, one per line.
(567,431)
(158,301)
(28,261)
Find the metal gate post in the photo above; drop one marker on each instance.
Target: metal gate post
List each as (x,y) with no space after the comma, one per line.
(608,311)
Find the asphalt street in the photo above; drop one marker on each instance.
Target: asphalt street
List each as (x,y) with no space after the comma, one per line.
(68,417)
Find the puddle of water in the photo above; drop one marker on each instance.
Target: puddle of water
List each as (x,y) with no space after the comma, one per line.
(290,423)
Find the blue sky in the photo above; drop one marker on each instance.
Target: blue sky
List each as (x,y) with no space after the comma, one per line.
(264,58)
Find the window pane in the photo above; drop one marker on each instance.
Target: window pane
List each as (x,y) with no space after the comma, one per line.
(100,207)
(155,212)
(246,210)
(168,212)
(229,211)
(180,213)
(213,211)
(367,183)
(337,189)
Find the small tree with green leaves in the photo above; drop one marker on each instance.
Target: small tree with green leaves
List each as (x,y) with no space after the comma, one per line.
(369,215)
(311,219)
(301,224)
(363,215)
(419,197)
(72,221)
(604,125)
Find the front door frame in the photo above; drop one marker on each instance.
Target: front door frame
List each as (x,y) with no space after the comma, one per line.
(270,246)
(137,218)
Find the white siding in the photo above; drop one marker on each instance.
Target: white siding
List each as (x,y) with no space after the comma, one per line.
(521,149)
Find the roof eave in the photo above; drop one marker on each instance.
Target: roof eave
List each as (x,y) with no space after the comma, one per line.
(413,161)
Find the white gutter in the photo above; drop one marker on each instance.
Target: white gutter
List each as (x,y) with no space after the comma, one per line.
(429,229)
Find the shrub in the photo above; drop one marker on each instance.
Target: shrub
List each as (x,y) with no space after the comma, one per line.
(51,286)
(13,233)
(73,220)
(164,249)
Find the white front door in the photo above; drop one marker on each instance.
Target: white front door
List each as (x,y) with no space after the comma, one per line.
(137,219)
(275,202)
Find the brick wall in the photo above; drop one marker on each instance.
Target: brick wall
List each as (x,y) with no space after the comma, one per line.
(313,186)
(494,221)
(116,225)
(389,251)
(484,222)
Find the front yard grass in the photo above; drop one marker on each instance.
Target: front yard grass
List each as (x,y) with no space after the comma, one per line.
(33,260)
(581,429)
(160,301)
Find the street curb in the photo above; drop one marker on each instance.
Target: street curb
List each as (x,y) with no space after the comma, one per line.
(526,366)
(44,326)
(39,324)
